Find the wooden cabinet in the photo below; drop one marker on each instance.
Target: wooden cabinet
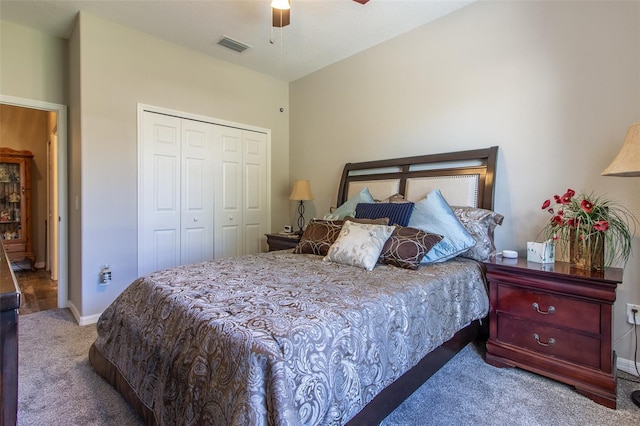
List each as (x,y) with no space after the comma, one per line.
(282,241)
(15,204)
(556,321)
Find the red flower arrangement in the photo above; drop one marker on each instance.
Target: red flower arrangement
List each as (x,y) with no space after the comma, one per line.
(591,220)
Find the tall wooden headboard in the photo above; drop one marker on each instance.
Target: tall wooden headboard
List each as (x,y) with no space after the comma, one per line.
(465,178)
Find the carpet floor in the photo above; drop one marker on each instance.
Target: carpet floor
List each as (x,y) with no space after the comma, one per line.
(57,386)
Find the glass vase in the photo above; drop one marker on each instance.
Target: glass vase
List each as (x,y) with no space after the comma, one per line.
(587,254)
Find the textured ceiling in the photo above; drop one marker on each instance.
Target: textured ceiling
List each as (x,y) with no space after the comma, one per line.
(322,32)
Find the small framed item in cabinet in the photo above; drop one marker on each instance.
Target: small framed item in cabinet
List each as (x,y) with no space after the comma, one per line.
(556,321)
(15,205)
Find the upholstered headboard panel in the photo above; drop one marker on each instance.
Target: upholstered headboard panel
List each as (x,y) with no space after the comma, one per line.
(465,178)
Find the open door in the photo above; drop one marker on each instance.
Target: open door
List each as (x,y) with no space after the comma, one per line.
(52,205)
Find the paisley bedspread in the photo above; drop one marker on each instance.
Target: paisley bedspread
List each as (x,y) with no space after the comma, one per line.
(281,338)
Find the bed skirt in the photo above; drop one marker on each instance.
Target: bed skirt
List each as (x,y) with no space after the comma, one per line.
(373,413)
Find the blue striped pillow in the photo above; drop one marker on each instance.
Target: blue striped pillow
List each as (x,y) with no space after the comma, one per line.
(398,213)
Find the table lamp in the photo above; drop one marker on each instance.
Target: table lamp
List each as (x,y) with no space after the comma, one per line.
(302,192)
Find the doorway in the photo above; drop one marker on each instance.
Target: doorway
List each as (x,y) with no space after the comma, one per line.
(52,240)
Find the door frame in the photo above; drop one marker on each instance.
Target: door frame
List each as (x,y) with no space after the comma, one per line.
(62,198)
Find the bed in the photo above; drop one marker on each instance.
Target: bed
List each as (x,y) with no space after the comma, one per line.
(287,338)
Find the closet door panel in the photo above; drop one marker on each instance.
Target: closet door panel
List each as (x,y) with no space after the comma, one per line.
(160,193)
(254,190)
(228,192)
(197,195)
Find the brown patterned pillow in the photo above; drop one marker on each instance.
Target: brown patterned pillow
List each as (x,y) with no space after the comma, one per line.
(407,246)
(318,236)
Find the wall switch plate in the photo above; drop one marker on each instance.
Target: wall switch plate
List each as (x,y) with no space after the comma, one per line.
(630,314)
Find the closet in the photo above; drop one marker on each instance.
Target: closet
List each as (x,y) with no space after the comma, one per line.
(203,191)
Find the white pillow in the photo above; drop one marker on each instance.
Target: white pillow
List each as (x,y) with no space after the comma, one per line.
(359,244)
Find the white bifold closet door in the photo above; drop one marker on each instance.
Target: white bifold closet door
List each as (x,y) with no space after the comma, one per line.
(203,191)
(176,191)
(241,192)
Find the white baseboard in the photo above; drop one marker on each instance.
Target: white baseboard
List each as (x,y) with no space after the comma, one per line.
(87,320)
(627,366)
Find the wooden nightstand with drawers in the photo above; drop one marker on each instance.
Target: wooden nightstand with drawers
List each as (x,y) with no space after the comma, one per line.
(556,321)
(282,241)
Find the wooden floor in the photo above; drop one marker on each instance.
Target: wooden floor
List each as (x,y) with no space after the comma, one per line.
(39,291)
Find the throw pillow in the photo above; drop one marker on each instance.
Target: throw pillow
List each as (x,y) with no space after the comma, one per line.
(406,247)
(379,221)
(480,223)
(359,245)
(349,206)
(398,213)
(434,215)
(318,237)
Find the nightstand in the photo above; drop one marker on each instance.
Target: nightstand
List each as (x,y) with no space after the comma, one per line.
(282,241)
(556,321)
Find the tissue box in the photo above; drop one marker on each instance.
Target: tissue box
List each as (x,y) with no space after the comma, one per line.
(541,252)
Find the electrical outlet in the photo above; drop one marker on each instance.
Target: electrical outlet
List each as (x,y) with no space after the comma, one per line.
(631,307)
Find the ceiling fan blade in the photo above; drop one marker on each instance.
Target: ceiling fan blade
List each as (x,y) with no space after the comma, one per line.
(361,1)
(280,17)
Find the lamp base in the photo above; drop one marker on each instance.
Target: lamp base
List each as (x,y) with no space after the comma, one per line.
(300,217)
(635,397)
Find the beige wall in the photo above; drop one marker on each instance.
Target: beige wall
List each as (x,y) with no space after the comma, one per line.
(554,84)
(117,68)
(33,64)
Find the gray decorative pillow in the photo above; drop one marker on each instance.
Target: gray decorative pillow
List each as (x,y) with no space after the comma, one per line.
(395,198)
(379,221)
(359,245)
(480,223)
(406,247)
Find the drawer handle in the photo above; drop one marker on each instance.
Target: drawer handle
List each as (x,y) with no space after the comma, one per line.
(537,308)
(551,341)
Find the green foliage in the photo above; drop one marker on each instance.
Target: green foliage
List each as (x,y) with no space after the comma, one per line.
(587,219)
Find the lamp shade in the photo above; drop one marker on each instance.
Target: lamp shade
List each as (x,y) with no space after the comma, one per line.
(627,163)
(281,4)
(301,190)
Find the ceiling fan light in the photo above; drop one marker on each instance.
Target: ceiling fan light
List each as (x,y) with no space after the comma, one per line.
(280,4)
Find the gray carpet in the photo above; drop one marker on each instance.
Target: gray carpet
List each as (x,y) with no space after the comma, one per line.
(58,387)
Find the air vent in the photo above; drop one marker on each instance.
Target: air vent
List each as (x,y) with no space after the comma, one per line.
(232,44)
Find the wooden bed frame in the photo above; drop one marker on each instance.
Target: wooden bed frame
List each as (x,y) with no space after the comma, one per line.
(477,164)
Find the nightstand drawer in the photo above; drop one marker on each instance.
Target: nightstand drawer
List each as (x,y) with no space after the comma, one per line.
(550,309)
(550,341)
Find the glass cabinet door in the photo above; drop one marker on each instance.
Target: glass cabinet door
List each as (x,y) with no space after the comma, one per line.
(11,193)
(15,205)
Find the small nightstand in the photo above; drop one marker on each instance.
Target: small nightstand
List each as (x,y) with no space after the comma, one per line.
(556,321)
(282,241)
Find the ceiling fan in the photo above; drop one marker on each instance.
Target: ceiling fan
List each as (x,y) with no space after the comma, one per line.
(280,16)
